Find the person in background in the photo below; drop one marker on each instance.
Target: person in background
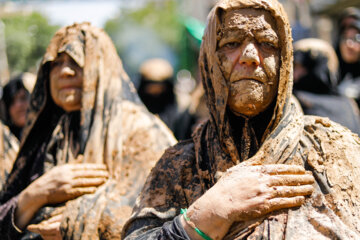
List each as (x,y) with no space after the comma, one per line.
(348,51)
(14,106)
(16,99)
(315,84)
(156,90)
(87,148)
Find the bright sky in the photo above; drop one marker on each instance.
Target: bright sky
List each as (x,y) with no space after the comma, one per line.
(95,11)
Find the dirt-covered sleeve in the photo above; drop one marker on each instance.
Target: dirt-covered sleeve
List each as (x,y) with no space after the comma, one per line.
(163,196)
(103,214)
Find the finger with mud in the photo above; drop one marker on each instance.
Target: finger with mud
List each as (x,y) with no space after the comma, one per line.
(44,228)
(57,211)
(91,174)
(291,191)
(87,166)
(282,169)
(88,182)
(77,192)
(282,203)
(291,180)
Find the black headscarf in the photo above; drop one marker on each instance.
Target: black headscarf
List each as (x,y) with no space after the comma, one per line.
(348,70)
(9,92)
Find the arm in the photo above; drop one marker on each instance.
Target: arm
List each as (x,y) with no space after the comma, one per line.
(60,184)
(260,190)
(111,205)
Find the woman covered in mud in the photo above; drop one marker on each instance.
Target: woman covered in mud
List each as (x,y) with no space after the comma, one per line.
(88,147)
(258,168)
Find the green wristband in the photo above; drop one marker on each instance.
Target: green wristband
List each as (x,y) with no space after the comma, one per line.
(198,231)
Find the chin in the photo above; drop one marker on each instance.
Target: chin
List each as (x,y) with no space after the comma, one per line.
(247,110)
(244,112)
(71,108)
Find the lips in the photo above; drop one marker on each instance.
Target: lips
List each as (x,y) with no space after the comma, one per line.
(249,79)
(68,83)
(68,87)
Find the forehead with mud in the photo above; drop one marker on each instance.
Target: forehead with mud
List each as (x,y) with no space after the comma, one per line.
(237,24)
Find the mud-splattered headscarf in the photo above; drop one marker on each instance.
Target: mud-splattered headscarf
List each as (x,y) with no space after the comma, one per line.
(217,87)
(92,50)
(112,127)
(290,138)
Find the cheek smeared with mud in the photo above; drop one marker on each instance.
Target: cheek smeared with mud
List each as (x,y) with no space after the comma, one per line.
(246,95)
(252,87)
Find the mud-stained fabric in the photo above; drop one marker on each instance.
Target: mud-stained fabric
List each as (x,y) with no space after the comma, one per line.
(112,127)
(9,147)
(187,170)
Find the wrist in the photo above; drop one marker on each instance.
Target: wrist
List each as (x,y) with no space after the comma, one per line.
(204,215)
(28,204)
(192,234)
(31,198)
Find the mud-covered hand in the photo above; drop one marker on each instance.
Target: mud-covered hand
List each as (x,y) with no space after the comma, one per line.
(66,182)
(248,192)
(48,229)
(60,184)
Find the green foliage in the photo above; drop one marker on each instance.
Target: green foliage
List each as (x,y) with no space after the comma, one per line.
(165,20)
(26,39)
(162,17)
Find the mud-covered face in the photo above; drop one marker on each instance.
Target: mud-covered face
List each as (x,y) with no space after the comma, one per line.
(66,82)
(249,54)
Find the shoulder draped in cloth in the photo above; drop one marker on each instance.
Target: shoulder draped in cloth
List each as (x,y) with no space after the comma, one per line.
(9,146)
(112,127)
(187,170)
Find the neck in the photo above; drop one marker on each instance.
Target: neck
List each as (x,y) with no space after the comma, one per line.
(257,126)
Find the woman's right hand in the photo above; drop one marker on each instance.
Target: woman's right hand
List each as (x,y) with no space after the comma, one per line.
(248,192)
(69,181)
(60,184)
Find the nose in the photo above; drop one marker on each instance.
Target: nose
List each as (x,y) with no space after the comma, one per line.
(66,71)
(249,55)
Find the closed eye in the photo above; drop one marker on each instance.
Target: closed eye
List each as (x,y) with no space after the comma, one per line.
(231,45)
(56,63)
(268,46)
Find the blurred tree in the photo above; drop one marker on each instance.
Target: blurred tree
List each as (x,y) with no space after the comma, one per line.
(161,16)
(26,40)
(153,31)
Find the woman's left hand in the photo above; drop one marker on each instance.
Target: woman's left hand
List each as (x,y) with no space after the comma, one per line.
(48,229)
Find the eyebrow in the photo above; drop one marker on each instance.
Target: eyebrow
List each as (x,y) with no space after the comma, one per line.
(232,32)
(270,33)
